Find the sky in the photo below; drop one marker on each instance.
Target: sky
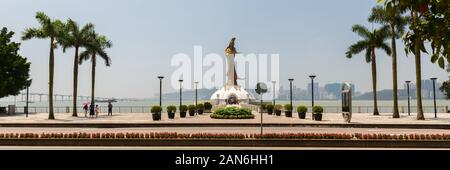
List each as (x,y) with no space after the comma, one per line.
(311,37)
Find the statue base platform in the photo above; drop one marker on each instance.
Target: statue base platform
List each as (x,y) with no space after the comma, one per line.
(231,95)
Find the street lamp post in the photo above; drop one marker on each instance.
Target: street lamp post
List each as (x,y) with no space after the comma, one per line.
(160,90)
(196,83)
(261,88)
(26,107)
(290,84)
(274,82)
(312,89)
(409,106)
(181,92)
(434,96)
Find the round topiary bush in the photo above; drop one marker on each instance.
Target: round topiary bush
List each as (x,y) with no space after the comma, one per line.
(183,109)
(269,108)
(171,111)
(200,108)
(232,113)
(156,112)
(191,109)
(208,107)
(317,112)
(301,110)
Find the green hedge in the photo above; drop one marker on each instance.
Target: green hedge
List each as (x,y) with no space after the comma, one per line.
(232,113)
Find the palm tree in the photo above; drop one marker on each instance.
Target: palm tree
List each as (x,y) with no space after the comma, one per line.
(76,38)
(96,46)
(393,19)
(49,29)
(370,42)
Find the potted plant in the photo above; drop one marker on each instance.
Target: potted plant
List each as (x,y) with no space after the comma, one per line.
(301,110)
(191,109)
(288,110)
(171,111)
(156,112)
(200,108)
(269,109)
(277,109)
(317,112)
(208,107)
(183,110)
(263,108)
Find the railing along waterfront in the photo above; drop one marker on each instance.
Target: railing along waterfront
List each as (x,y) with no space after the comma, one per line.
(146,109)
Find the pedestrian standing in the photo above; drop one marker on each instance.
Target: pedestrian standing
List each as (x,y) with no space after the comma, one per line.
(85,108)
(97,110)
(110,106)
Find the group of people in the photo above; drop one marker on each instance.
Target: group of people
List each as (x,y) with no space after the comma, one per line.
(95,111)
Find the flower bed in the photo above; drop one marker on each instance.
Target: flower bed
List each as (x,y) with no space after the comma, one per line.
(174,135)
(232,113)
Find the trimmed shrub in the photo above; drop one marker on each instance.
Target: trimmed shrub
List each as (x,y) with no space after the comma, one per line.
(232,113)
(317,109)
(156,109)
(171,108)
(208,106)
(302,109)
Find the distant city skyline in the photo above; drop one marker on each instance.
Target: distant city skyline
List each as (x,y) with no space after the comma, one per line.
(311,37)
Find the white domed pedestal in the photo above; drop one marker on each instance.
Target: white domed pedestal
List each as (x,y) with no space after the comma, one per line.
(231,95)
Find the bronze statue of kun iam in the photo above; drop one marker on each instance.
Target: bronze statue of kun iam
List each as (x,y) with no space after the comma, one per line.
(231,52)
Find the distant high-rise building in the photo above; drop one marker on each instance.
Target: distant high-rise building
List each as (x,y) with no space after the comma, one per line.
(335,89)
(316,90)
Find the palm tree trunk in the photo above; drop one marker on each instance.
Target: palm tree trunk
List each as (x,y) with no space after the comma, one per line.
(75,82)
(420,115)
(51,67)
(374,83)
(93,84)
(394,75)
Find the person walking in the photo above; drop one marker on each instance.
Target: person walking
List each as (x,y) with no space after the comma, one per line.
(110,106)
(85,108)
(92,110)
(97,110)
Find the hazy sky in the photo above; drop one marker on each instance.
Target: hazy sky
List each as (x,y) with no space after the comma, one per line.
(310,36)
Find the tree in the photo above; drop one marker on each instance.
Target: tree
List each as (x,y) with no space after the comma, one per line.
(370,42)
(14,69)
(96,47)
(51,29)
(430,20)
(396,22)
(75,37)
(445,88)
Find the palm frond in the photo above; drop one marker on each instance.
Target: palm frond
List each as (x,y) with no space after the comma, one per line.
(379,15)
(368,55)
(105,57)
(43,19)
(30,33)
(361,31)
(84,56)
(357,48)
(386,48)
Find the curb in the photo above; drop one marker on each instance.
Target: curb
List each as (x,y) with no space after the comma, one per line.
(130,125)
(229,143)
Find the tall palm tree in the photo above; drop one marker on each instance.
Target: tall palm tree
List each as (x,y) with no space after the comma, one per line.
(393,19)
(51,29)
(96,47)
(76,38)
(417,48)
(370,42)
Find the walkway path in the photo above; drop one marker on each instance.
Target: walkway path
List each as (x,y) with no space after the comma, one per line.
(328,118)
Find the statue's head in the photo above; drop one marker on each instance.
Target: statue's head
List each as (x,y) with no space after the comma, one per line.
(234,38)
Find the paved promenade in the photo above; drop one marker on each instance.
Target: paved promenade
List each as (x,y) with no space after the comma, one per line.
(247,130)
(328,118)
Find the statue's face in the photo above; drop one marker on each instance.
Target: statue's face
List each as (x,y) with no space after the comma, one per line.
(233,39)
